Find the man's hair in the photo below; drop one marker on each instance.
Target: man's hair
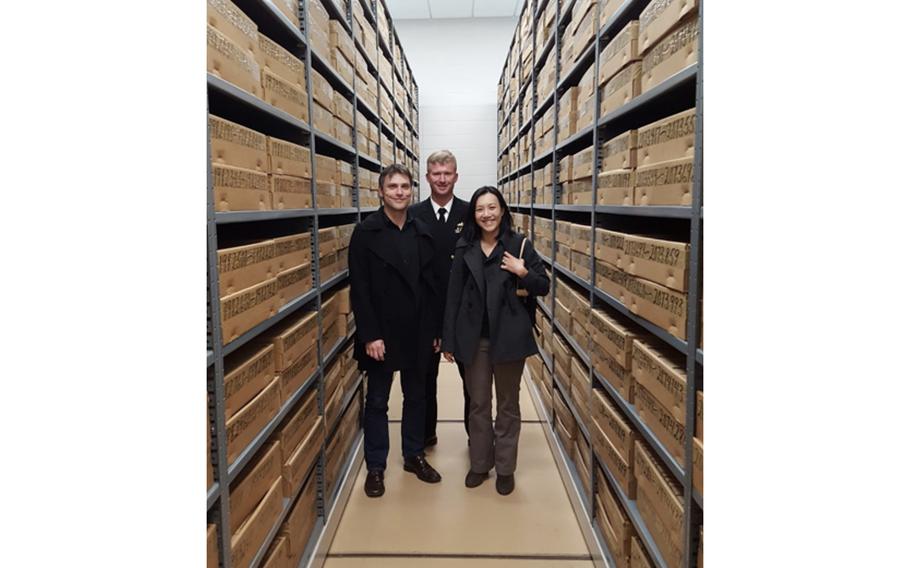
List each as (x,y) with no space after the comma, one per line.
(442,157)
(394,169)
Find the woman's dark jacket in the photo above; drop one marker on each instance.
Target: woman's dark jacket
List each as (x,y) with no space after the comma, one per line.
(511,335)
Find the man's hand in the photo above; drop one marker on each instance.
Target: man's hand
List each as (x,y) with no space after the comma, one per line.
(514,265)
(376,349)
(449,357)
(437,343)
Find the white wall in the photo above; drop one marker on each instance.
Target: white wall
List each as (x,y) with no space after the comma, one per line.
(457,64)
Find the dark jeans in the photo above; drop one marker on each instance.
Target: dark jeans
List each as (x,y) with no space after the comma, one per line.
(432,407)
(376,416)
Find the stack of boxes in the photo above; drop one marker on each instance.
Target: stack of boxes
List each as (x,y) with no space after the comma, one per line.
(568,114)
(576,178)
(543,236)
(257,279)
(668,39)
(660,502)
(645,274)
(319,32)
(664,159)
(233,46)
(619,76)
(251,171)
(583,27)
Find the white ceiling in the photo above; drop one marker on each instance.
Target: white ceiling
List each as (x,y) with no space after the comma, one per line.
(438,9)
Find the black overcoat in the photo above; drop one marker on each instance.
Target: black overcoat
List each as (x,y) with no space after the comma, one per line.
(511,334)
(445,235)
(385,304)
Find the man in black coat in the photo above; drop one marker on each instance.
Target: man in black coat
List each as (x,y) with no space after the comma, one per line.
(445,214)
(394,297)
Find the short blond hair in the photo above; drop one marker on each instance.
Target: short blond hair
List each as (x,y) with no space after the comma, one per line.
(442,157)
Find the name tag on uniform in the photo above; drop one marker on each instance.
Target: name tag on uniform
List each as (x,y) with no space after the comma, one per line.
(459,227)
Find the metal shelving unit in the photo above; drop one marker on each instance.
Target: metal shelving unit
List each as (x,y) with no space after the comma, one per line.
(675,94)
(252,112)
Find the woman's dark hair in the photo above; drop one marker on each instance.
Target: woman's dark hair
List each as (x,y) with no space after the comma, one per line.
(472,232)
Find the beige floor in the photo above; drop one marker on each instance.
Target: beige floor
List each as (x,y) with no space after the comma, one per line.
(448,525)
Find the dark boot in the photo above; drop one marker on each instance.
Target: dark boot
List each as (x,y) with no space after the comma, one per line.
(418,465)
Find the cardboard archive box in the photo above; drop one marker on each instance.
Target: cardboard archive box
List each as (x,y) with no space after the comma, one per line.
(661,261)
(289,8)
(615,338)
(615,187)
(277,554)
(581,265)
(292,250)
(620,52)
(294,282)
(248,491)
(238,146)
(672,54)
(670,431)
(243,310)
(658,304)
(639,558)
(621,89)
(302,458)
(289,159)
(297,424)
(608,9)
(245,266)
(292,338)
(619,152)
(608,246)
(617,429)
(291,192)
(323,93)
(660,503)
(613,372)
(668,139)
(284,95)
(699,415)
(247,372)
(663,373)
(251,535)
(300,522)
(698,465)
(233,46)
(282,62)
(664,183)
(238,189)
(319,29)
(613,521)
(243,427)
(659,17)
(609,279)
(211,539)
(621,470)
(296,374)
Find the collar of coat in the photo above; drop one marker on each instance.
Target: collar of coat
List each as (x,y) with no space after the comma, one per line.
(473,256)
(384,248)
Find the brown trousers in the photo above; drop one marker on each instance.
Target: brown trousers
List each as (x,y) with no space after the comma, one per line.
(493,444)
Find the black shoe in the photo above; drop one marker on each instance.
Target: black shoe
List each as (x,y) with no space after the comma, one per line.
(505,484)
(431,442)
(374,485)
(473,479)
(424,471)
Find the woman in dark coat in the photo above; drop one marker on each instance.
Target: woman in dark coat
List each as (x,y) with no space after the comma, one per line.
(488,328)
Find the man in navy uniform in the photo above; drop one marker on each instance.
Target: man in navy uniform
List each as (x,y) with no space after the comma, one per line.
(445,214)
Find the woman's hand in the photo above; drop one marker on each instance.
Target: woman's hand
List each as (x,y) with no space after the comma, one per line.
(514,265)
(449,357)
